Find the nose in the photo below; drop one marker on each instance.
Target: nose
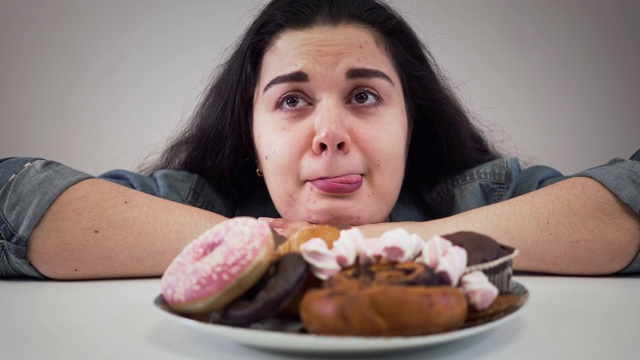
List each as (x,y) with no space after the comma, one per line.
(331,133)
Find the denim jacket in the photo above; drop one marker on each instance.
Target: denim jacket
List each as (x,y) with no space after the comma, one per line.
(28,186)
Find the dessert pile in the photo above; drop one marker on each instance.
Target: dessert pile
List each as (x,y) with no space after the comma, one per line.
(337,282)
(448,261)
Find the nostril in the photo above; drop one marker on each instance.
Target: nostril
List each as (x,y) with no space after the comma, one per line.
(329,145)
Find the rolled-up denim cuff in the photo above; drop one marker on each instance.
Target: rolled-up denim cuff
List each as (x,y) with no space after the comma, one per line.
(622,177)
(28,187)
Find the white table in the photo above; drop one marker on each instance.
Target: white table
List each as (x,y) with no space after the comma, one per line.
(565,318)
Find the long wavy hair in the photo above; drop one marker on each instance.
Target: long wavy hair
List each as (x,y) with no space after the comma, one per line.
(218,145)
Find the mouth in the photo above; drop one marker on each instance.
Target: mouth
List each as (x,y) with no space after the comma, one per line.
(339,185)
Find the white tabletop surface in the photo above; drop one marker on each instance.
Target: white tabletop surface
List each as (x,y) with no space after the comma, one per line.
(564,318)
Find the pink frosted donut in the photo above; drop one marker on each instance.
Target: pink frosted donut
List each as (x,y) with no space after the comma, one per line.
(219,266)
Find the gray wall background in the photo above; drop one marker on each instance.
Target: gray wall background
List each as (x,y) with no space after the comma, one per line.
(100,84)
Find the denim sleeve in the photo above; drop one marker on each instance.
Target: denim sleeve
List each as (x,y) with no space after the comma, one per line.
(534,178)
(28,186)
(486,184)
(179,186)
(622,177)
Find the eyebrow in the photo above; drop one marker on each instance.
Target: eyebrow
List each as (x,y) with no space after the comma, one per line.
(361,73)
(301,76)
(296,76)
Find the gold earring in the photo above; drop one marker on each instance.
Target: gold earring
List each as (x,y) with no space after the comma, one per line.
(259,172)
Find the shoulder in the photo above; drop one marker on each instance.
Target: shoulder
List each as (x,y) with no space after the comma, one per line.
(485,184)
(175,185)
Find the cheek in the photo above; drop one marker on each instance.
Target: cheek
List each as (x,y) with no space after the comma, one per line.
(388,149)
(274,150)
(279,152)
(392,147)
(266,146)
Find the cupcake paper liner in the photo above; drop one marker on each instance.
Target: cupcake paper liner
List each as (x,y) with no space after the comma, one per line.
(498,271)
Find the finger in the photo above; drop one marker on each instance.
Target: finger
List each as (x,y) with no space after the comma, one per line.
(286,232)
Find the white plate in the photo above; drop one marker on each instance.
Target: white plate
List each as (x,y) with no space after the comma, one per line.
(283,341)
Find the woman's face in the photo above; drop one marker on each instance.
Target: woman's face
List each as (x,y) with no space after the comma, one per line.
(330,126)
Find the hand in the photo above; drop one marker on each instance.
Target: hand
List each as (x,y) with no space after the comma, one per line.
(285,227)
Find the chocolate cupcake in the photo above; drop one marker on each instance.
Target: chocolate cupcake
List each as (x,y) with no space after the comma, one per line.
(487,255)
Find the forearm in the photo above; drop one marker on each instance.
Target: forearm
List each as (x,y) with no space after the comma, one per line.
(97,229)
(573,227)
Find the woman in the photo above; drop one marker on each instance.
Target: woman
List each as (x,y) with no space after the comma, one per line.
(327,112)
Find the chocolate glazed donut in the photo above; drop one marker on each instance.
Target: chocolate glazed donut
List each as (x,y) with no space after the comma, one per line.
(276,288)
(383,300)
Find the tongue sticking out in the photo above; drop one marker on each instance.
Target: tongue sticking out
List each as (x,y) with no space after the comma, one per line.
(345,184)
(345,179)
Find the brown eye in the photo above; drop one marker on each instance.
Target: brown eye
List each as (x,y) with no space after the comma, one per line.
(365,97)
(292,101)
(361,97)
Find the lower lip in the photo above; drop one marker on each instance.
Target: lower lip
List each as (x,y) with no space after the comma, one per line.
(339,185)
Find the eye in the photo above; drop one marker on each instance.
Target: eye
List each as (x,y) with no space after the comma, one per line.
(291,101)
(365,96)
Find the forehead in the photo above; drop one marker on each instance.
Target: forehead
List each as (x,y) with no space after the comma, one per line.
(326,47)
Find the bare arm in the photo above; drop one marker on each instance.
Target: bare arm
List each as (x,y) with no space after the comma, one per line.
(97,229)
(576,226)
